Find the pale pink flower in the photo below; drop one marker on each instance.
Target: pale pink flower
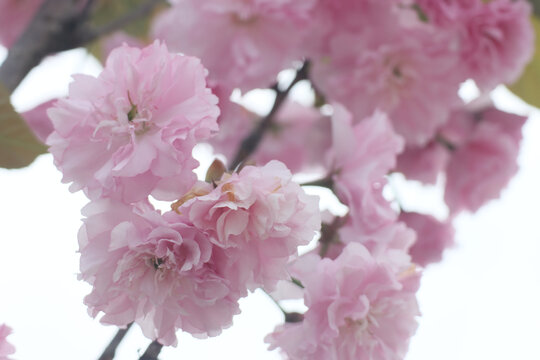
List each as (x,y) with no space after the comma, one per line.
(432,237)
(358,308)
(155,272)
(425,163)
(408,75)
(483,166)
(6,348)
(360,157)
(258,217)
(129,132)
(38,120)
(243,43)
(15,15)
(494,40)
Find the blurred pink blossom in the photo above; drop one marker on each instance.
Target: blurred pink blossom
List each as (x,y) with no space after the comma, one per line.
(6,348)
(432,237)
(243,43)
(485,163)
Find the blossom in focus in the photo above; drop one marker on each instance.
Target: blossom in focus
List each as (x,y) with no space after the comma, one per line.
(360,157)
(433,237)
(358,308)
(243,43)
(483,166)
(6,348)
(155,272)
(258,218)
(130,132)
(15,15)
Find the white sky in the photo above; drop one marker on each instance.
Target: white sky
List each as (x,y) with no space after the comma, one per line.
(481,302)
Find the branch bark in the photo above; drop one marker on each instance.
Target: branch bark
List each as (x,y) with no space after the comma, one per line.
(251,142)
(152,351)
(110,350)
(57,26)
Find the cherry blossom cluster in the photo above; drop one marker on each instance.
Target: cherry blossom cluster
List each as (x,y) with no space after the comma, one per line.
(390,72)
(385,77)
(129,134)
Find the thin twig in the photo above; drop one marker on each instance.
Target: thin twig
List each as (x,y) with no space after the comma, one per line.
(110,350)
(152,351)
(329,233)
(326,182)
(250,143)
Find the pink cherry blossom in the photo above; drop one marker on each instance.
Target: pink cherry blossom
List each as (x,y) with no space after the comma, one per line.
(146,269)
(117,39)
(433,237)
(358,308)
(425,163)
(243,43)
(129,132)
(409,72)
(483,166)
(6,348)
(258,217)
(495,39)
(15,15)
(360,157)
(38,120)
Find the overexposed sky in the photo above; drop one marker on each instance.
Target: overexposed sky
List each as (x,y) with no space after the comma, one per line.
(481,302)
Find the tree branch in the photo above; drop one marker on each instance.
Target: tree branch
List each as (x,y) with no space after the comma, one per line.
(250,143)
(57,26)
(110,350)
(152,351)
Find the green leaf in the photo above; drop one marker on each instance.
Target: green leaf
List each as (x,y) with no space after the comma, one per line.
(528,86)
(18,145)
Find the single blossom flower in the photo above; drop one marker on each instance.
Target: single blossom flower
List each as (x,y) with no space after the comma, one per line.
(153,271)
(358,308)
(243,43)
(485,163)
(130,132)
(258,218)
(433,237)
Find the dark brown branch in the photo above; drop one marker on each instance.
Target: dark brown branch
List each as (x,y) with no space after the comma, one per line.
(57,26)
(329,234)
(152,351)
(250,143)
(110,350)
(326,182)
